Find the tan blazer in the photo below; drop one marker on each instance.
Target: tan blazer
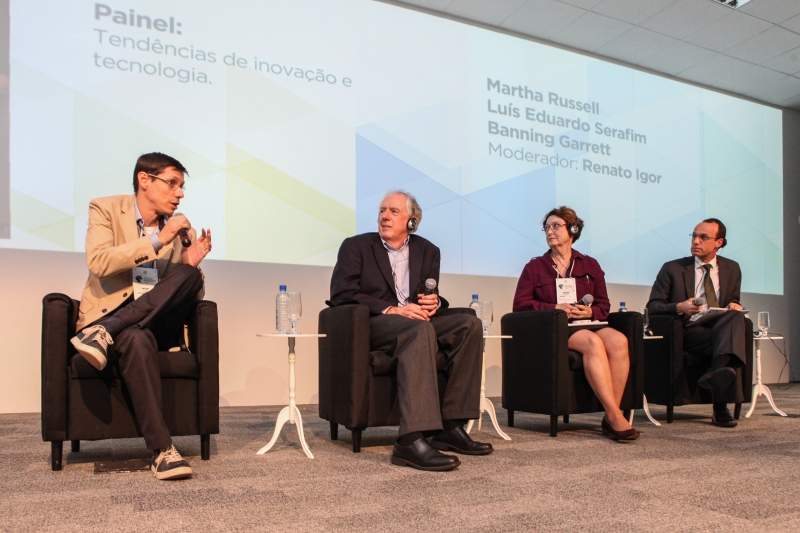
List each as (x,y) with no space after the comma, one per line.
(113,249)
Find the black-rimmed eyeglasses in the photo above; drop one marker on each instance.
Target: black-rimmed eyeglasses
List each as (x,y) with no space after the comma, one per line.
(172,185)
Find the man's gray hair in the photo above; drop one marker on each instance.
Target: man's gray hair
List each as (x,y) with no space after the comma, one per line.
(412,206)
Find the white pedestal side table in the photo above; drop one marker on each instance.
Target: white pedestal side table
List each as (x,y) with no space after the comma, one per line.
(759,388)
(290,413)
(487,405)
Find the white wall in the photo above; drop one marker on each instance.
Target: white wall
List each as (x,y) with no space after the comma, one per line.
(253,371)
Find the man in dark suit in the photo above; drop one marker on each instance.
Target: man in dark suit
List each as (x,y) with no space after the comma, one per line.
(386,271)
(718,280)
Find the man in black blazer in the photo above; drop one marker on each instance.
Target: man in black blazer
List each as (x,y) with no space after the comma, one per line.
(718,280)
(387,271)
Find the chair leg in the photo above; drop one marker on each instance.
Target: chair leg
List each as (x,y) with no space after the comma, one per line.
(334,431)
(356,440)
(737,411)
(76,446)
(553,425)
(510,418)
(56,450)
(205,447)
(566,419)
(670,413)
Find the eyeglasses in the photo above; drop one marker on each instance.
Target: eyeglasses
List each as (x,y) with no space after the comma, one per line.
(172,184)
(703,237)
(555,226)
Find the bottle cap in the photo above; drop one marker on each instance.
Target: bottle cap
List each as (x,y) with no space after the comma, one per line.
(474,296)
(622,304)
(283,288)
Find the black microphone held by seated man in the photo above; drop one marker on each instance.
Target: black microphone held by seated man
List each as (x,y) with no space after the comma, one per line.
(430,284)
(186,240)
(699,301)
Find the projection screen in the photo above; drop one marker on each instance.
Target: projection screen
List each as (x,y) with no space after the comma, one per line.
(294,118)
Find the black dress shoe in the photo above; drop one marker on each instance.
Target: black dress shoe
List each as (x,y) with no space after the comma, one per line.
(423,456)
(611,433)
(723,418)
(717,379)
(459,441)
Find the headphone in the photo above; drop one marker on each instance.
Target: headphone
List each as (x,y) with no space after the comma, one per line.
(573,229)
(412,222)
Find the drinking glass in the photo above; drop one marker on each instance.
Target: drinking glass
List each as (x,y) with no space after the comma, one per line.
(645,318)
(294,309)
(763,322)
(486,315)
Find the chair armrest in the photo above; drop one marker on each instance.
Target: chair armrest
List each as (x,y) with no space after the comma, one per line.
(537,349)
(664,360)
(204,343)
(59,316)
(630,324)
(344,365)
(747,377)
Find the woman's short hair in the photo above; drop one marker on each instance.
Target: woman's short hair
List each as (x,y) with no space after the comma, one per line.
(570,217)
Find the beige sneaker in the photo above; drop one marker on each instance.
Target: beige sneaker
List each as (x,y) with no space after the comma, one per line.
(170,465)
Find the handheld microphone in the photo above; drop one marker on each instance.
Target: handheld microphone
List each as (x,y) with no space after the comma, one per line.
(430,284)
(586,300)
(183,233)
(699,301)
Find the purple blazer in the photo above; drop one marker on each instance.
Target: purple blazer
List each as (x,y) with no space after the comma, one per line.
(536,288)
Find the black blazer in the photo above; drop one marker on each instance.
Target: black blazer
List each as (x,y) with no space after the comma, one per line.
(675,283)
(363,273)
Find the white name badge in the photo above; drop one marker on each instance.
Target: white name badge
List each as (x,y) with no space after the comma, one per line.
(144,279)
(566,291)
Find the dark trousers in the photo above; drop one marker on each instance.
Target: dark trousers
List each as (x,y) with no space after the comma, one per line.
(723,337)
(139,329)
(413,344)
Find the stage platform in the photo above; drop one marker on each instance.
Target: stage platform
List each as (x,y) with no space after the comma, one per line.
(684,476)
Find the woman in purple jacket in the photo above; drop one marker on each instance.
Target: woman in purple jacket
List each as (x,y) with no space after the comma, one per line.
(605,351)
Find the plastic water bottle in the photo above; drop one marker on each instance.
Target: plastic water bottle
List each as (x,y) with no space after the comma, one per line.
(281,311)
(474,304)
(622,307)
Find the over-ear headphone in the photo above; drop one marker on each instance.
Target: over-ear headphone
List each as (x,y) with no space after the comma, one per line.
(412,222)
(573,229)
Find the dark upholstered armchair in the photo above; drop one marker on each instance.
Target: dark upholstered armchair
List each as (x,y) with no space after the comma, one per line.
(82,403)
(671,374)
(358,388)
(541,375)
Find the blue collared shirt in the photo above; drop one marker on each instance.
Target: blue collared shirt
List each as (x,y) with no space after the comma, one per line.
(153,236)
(398,259)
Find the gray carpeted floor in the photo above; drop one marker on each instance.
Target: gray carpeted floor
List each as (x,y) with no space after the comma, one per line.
(686,476)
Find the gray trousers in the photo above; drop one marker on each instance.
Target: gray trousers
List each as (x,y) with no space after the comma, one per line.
(725,336)
(413,344)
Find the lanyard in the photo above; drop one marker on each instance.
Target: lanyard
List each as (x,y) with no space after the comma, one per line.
(558,274)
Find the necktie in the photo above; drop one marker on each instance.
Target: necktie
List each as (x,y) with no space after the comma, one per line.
(711,295)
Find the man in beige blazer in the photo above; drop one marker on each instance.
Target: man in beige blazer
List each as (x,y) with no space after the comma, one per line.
(127,305)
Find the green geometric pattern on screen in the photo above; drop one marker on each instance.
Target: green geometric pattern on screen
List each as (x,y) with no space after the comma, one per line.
(275,218)
(746,195)
(42,220)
